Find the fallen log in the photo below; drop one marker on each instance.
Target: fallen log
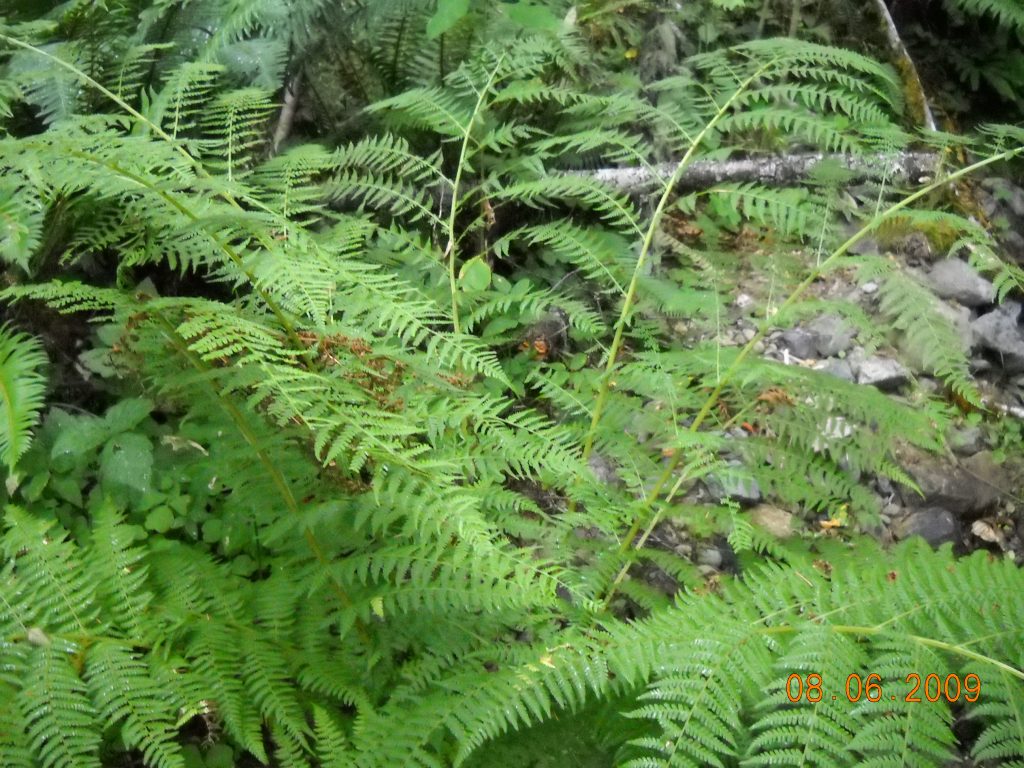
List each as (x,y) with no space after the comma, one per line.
(900,167)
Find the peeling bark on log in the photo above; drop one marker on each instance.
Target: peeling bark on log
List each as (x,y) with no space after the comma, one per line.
(902,167)
(910,168)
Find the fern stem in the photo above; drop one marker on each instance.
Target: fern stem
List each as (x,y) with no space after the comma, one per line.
(450,250)
(952,648)
(726,377)
(627,304)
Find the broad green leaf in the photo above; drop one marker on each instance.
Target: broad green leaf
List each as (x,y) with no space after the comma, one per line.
(534,17)
(160,519)
(127,462)
(79,435)
(448,14)
(220,756)
(474,275)
(127,414)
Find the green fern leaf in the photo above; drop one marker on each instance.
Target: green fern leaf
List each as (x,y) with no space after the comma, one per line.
(22,390)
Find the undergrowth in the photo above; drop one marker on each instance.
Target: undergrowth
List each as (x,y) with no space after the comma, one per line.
(386,461)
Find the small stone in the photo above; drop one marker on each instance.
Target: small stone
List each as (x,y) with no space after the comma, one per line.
(732,485)
(966,441)
(710,556)
(777,522)
(841,369)
(988,530)
(1000,332)
(958,280)
(883,373)
(743,301)
(933,524)
(869,287)
(748,334)
(800,343)
(832,335)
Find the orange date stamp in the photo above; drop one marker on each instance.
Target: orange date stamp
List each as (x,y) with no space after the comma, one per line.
(932,687)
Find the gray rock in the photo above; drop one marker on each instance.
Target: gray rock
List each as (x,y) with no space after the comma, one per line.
(933,524)
(966,441)
(1016,201)
(744,301)
(1013,243)
(832,335)
(841,369)
(965,489)
(866,245)
(710,556)
(869,287)
(800,343)
(1000,332)
(1006,193)
(603,469)
(777,522)
(733,485)
(958,280)
(988,477)
(883,373)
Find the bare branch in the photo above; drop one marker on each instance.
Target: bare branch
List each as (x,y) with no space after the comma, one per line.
(908,68)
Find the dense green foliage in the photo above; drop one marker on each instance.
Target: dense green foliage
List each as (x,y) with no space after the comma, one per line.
(336,516)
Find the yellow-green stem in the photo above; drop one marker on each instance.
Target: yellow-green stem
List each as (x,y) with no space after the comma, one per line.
(451,250)
(627,303)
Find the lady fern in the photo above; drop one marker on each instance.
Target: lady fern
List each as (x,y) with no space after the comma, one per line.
(407,539)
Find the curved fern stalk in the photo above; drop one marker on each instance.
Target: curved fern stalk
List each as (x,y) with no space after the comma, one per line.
(627,304)
(22,387)
(726,377)
(467,133)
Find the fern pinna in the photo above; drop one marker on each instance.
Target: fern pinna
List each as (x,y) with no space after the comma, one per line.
(402,539)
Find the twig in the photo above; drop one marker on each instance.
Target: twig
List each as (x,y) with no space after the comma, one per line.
(288,107)
(906,64)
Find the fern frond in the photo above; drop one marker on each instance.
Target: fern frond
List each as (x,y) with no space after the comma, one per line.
(22,390)
(61,720)
(911,308)
(125,693)
(1006,12)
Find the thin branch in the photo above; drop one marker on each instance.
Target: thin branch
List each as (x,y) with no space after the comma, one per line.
(906,64)
(288,106)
